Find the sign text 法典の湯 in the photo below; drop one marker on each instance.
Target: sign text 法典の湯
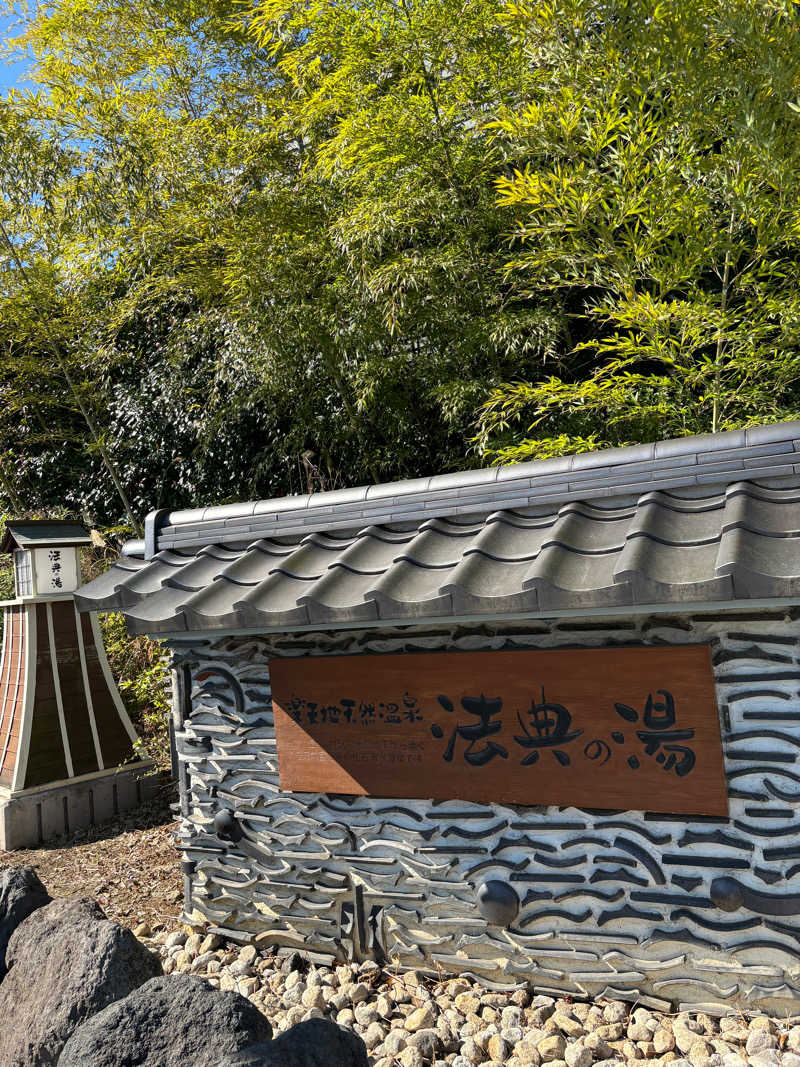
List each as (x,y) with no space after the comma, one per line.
(630,729)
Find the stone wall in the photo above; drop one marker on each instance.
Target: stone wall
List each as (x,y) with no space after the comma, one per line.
(613,903)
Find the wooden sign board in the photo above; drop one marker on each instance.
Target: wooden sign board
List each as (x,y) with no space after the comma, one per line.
(628,728)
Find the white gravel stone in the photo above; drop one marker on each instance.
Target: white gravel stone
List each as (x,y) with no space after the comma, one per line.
(192,945)
(759,1040)
(512,1034)
(733,1059)
(411,1057)
(578,1055)
(313,998)
(427,1041)
(248,955)
(293,1017)
(339,1001)
(552,1047)
(471,1052)
(700,1053)
(769,1058)
(241,968)
(358,992)
(373,1035)
(395,1041)
(684,1037)
(384,1006)
(600,1048)
(365,1013)
(293,997)
(511,1017)
(421,1018)
(568,1024)
(615,1011)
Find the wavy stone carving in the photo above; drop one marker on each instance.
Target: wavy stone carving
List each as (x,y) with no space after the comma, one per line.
(617,903)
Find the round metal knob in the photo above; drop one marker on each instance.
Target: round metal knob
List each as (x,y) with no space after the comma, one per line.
(726,894)
(227,826)
(498,903)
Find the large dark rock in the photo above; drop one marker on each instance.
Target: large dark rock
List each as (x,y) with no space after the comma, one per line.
(314,1043)
(21,893)
(66,961)
(167,1022)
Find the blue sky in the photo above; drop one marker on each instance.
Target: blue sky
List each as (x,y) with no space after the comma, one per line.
(11,77)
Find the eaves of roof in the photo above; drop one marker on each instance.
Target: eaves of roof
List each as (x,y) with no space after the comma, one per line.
(722,537)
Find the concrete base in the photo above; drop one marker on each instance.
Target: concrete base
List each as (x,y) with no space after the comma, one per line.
(29,818)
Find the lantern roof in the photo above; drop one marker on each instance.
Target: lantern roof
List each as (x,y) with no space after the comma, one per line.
(44,533)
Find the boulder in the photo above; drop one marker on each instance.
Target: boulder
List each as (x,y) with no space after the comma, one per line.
(21,893)
(314,1043)
(66,961)
(167,1022)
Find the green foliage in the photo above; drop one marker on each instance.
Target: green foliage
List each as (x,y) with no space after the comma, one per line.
(6,580)
(658,199)
(269,248)
(265,244)
(141,669)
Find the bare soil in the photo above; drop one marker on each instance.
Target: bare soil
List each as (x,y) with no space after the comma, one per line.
(129,865)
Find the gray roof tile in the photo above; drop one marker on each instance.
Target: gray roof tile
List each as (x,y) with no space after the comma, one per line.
(228,511)
(774,558)
(483,577)
(776,431)
(680,527)
(276,598)
(158,612)
(776,448)
(188,515)
(704,442)
(557,466)
(561,576)
(340,593)
(615,457)
(354,495)
(284,503)
(410,487)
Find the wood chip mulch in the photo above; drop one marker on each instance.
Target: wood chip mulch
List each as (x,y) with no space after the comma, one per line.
(129,865)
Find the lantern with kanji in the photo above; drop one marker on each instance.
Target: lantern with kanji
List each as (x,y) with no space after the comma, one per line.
(68,751)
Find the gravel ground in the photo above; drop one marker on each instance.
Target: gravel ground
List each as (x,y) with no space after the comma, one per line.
(409,1020)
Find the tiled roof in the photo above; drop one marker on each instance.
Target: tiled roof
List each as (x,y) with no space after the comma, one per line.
(697,520)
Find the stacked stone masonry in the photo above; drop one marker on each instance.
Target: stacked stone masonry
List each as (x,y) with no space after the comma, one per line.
(613,903)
